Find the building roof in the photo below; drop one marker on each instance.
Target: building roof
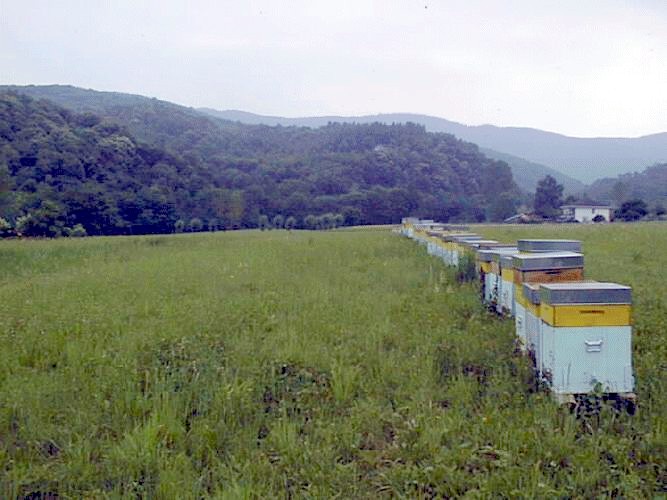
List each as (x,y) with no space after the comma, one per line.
(585,205)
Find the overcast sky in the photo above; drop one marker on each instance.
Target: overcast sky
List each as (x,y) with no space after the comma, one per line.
(583,67)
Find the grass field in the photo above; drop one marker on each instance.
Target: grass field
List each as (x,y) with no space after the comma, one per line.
(305,364)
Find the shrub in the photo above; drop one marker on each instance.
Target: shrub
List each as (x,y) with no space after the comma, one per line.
(310,221)
(599,218)
(263,222)
(290,222)
(78,231)
(195,225)
(278,221)
(632,210)
(5,228)
(466,270)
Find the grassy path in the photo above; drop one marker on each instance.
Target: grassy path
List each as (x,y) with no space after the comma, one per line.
(272,364)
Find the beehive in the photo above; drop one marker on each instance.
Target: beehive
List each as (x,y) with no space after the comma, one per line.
(458,248)
(548,267)
(537,268)
(586,337)
(450,245)
(531,321)
(433,241)
(538,246)
(470,247)
(493,281)
(506,285)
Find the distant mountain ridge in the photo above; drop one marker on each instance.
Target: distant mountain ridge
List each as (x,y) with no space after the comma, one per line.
(527,173)
(584,159)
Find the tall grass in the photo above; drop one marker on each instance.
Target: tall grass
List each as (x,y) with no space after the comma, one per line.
(250,364)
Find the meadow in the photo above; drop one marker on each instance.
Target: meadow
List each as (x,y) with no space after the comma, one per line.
(304,364)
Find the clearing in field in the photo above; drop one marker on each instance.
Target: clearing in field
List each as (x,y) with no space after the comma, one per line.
(307,364)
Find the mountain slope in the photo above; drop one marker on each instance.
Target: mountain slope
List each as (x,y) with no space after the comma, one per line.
(649,185)
(65,169)
(527,174)
(228,174)
(584,159)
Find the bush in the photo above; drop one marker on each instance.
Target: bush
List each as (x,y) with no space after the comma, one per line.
(78,231)
(466,270)
(632,210)
(310,221)
(179,226)
(278,221)
(290,223)
(263,222)
(599,218)
(195,225)
(5,228)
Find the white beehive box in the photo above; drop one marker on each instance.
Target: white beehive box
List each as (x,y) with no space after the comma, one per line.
(507,285)
(531,320)
(495,277)
(450,245)
(458,248)
(586,337)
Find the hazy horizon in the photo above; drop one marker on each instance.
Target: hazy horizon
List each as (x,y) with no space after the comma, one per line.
(594,69)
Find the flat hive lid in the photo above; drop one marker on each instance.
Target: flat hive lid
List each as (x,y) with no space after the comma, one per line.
(585,293)
(496,253)
(537,245)
(483,245)
(450,237)
(475,243)
(484,255)
(532,292)
(547,260)
(506,260)
(461,239)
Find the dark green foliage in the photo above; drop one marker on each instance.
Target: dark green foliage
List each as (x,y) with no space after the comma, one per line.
(128,164)
(278,221)
(195,225)
(649,185)
(466,270)
(599,218)
(548,197)
(78,231)
(632,210)
(502,207)
(263,222)
(290,223)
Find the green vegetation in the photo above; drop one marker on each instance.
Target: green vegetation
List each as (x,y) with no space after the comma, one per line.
(312,364)
(548,198)
(131,165)
(632,210)
(649,185)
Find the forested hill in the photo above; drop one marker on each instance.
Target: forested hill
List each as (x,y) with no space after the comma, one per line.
(649,185)
(140,165)
(584,159)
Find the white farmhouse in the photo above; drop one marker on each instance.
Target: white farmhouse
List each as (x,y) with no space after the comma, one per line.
(586,212)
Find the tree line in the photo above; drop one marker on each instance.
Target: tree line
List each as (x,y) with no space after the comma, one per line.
(66,173)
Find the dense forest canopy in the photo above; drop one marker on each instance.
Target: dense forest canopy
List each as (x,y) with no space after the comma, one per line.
(141,165)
